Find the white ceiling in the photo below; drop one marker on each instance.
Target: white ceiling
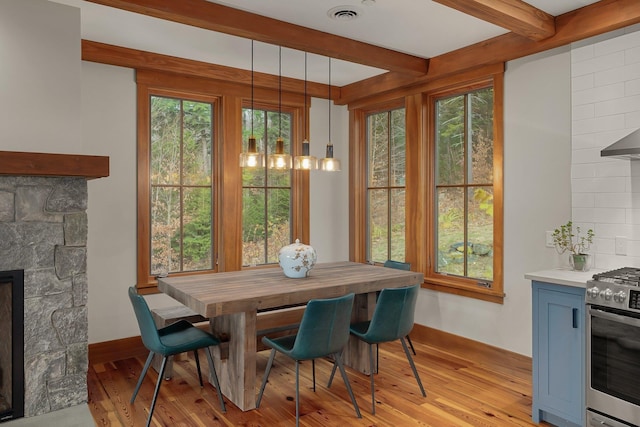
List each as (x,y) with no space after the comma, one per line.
(419,27)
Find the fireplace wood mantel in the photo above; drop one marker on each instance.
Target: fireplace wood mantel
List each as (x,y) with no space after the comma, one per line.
(45,164)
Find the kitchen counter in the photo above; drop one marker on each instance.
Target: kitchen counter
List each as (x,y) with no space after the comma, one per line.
(563,276)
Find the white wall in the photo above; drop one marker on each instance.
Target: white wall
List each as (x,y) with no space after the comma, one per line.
(606,107)
(39,76)
(537,135)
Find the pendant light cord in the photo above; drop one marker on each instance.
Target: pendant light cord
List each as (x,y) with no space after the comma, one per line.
(280,91)
(306,111)
(252,88)
(329,100)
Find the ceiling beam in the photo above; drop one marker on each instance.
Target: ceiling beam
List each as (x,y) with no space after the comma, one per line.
(591,20)
(141,60)
(223,19)
(514,15)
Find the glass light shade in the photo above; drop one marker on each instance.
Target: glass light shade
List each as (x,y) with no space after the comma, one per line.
(252,158)
(305,162)
(330,164)
(280,159)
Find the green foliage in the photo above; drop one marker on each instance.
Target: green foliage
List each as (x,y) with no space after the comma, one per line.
(565,240)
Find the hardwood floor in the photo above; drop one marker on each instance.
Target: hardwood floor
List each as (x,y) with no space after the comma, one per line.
(465,385)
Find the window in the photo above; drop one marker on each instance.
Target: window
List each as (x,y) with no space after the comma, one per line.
(181,186)
(426,176)
(198,210)
(465,193)
(266,193)
(386,148)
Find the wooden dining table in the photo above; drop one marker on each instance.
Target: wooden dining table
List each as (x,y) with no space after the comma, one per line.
(232,300)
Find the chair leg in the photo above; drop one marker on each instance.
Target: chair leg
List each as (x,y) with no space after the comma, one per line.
(333,372)
(297,393)
(214,374)
(338,361)
(266,376)
(142,374)
(413,366)
(373,387)
(195,355)
(155,393)
(313,370)
(413,350)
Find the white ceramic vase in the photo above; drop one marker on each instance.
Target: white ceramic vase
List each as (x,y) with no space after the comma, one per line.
(297,259)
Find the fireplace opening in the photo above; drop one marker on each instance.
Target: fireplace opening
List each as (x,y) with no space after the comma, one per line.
(12,355)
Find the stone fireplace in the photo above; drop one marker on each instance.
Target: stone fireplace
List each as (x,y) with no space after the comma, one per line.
(43,231)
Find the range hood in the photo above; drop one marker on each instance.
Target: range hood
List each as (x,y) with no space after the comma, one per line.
(625,148)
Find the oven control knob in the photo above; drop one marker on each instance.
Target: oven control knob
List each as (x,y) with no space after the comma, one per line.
(593,292)
(620,296)
(606,294)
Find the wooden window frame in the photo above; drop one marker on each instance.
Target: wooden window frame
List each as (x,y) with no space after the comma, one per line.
(227,175)
(420,166)
(388,188)
(458,285)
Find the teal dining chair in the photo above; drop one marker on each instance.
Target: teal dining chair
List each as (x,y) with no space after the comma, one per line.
(323,331)
(392,320)
(399,265)
(176,338)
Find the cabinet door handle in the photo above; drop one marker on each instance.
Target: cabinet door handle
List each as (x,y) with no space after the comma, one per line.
(575,318)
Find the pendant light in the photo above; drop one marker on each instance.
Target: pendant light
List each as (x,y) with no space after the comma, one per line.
(252,158)
(280,159)
(329,163)
(306,161)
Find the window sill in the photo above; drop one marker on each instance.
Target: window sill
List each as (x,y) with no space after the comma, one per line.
(477,292)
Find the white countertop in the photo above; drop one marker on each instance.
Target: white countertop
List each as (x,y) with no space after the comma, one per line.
(563,276)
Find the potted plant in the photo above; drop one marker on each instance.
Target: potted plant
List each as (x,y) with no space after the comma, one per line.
(576,244)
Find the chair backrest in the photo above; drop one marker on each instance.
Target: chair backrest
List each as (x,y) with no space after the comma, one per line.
(148,329)
(324,328)
(397,265)
(394,313)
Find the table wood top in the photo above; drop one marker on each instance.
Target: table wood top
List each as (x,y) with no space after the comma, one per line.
(231,292)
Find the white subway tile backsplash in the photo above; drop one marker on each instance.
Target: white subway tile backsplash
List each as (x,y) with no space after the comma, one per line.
(612,167)
(617,75)
(612,200)
(585,111)
(580,54)
(605,103)
(582,214)
(583,200)
(598,185)
(617,106)
(598,124)
(614,60)
(632,55)
(582,82)
(632,87)
(597,94)
(610,215)
(632,120)
(583,170)
(617,44)
(610,231)
(588,155)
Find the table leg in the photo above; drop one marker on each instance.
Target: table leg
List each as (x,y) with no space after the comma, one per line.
(356,353)
(237,372)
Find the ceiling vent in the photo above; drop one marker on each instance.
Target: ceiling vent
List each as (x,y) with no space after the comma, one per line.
(343,13)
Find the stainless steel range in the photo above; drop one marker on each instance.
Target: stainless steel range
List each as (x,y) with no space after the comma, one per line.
(613,348)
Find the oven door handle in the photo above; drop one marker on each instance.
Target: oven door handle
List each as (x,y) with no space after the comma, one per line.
(615,317)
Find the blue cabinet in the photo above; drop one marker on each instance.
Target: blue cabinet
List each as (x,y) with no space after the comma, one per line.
(558,354)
